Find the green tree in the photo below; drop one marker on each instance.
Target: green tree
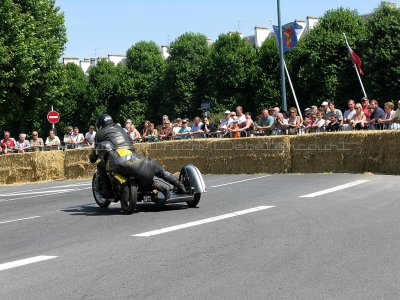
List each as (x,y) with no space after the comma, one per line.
(186,75)
(146,71)
(382,56)
(320,66)
(32,39)
(267,92)
(232,72)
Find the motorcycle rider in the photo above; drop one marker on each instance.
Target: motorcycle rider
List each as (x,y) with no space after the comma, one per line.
(116,151)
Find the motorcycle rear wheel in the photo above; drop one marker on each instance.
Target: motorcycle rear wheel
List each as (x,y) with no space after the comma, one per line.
(128,198)
(101,202)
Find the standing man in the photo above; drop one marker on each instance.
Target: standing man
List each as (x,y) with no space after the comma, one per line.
(89,136)
(241,117)
(266,122)
(377,114)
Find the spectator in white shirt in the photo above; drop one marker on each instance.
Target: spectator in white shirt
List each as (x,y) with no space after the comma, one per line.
(89,136)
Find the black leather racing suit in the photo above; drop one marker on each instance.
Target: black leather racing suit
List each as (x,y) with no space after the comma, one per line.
(142,168)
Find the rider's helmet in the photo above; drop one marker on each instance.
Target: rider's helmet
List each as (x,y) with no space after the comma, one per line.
(103,120)
(103,148)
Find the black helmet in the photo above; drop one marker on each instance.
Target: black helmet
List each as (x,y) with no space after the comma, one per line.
(103,148)
(103,120)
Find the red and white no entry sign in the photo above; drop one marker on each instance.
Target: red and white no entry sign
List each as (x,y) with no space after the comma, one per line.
(53,117)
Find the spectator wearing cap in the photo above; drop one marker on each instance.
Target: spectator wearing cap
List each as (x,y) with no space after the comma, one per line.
(225,124)
(389,113)
(325,107)
(36,142)
(348,114)
(177,126)
(333,111)
(91,134)
(377,114)
(266,122)
(184,130)
(22,144)
(68,142)
(241,117)
(166,131)
(365,104)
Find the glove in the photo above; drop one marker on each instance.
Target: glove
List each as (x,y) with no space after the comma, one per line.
(93,157)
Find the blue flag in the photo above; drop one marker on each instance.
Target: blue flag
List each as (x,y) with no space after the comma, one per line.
(290,34)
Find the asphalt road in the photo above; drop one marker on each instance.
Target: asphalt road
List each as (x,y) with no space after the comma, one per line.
(320,236)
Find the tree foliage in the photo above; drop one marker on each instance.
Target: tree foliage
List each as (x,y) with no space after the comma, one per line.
(32,38)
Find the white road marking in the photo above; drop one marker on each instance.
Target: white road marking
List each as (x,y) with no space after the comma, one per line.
(240,181)
(334,189)
(23,262)
(204,221)
(49,194)
(47,188)
(16,220)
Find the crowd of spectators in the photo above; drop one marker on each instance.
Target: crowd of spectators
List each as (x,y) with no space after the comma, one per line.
(366,115)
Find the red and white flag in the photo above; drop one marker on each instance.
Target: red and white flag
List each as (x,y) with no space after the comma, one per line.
(355,59)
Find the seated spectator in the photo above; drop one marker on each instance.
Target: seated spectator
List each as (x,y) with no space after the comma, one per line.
(68,141)
(151,133)
(389,113)
(195,129)
(333,125)
(89,136)
(77,139)
(184,131)
(225,124)
(22,145)
(266,122)
(52,141)
(318,122)
(359,121)
(8,143)
(166,131)
(36,142)
(134,134)
(294,121)
(376,114)
(307,120)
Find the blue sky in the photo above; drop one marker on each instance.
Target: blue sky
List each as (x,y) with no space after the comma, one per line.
(110,27)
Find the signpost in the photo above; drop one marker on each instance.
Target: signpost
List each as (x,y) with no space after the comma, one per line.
(206,107)
(53,117)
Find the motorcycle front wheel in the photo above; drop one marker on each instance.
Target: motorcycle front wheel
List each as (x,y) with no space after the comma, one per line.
(96,188)
(128,198)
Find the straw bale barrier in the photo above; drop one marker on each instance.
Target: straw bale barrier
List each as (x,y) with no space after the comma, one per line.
(31,167)
(342,152)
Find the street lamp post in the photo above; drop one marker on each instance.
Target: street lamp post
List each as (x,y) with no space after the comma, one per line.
(283,83)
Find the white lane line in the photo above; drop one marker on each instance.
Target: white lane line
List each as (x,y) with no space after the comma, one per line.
(204,221)
(239,181)
(334,189)
(16,220)
(49,194)
(23,262)
(47,188)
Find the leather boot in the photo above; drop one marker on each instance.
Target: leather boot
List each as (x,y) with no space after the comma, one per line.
(161,188)
(170,178)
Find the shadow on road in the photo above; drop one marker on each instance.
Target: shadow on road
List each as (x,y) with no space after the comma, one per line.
(94,210)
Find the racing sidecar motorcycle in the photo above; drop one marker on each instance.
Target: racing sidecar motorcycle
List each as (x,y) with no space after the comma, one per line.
(128,193)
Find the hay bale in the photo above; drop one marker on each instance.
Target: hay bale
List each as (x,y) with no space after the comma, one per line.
(31,167)
(77,164)
(340,152)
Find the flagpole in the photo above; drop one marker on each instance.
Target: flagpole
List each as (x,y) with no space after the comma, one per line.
(283,87)
(294,94)
(355,67)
